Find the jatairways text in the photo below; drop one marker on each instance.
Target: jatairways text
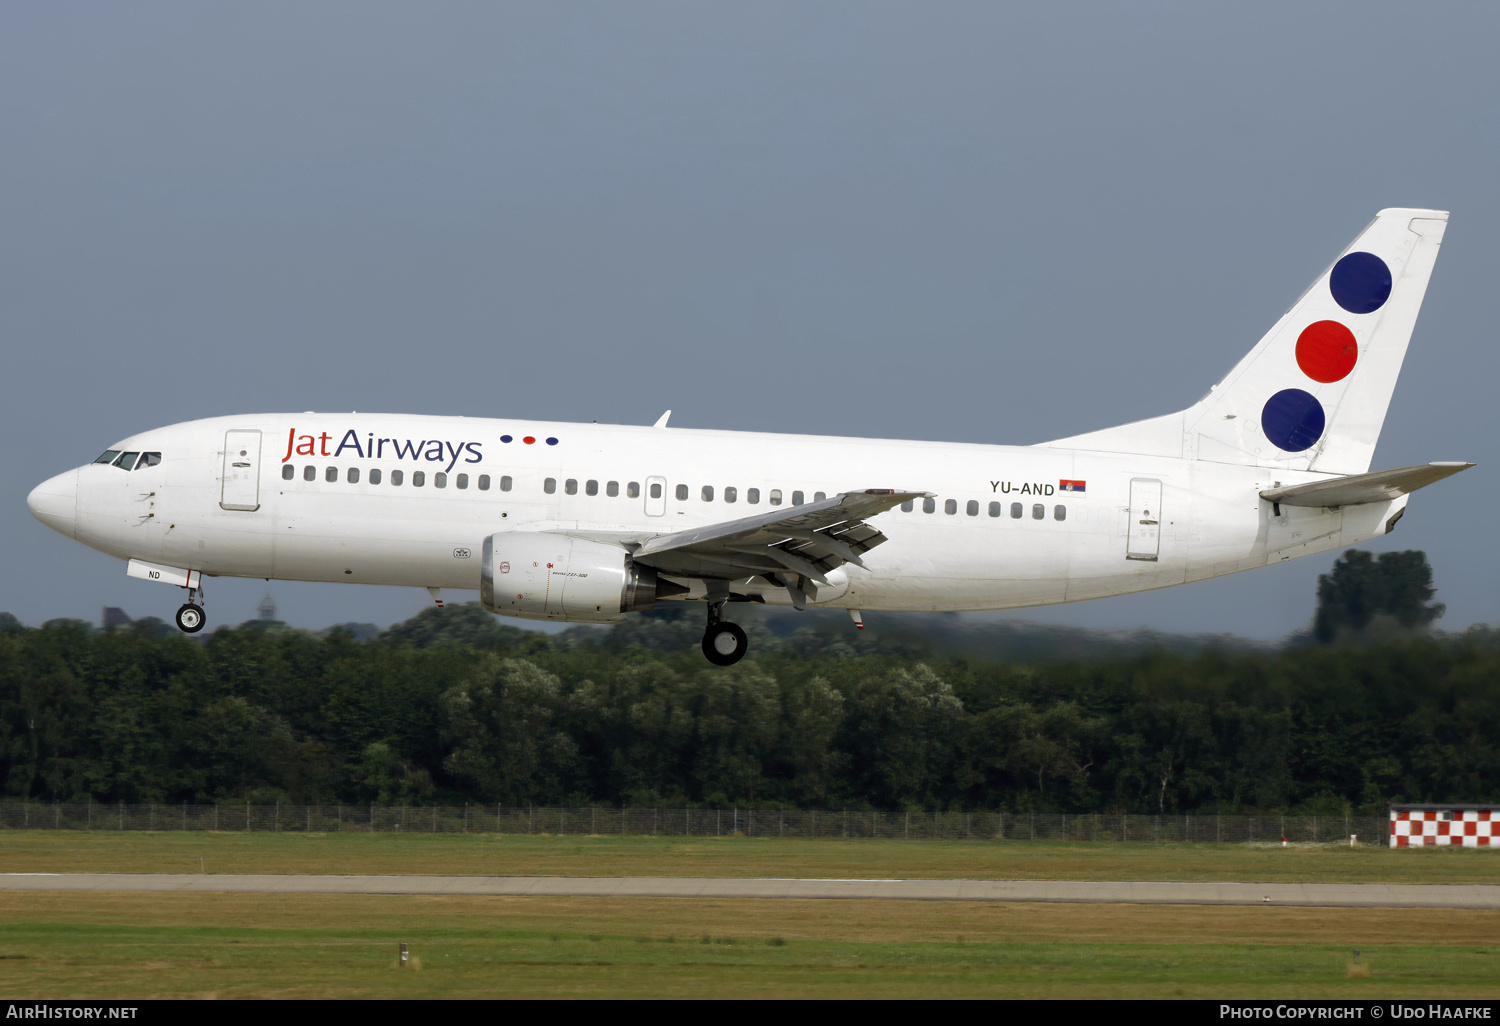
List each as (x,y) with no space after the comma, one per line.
(433,450)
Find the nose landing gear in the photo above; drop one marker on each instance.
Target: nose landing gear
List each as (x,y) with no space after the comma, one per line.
(190,618)
(724,643)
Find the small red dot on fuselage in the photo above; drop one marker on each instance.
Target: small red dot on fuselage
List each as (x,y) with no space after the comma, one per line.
(529,440)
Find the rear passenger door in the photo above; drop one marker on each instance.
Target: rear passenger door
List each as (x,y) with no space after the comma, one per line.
(1144,520)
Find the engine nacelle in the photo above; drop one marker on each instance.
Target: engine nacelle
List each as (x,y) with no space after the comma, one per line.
(555,577)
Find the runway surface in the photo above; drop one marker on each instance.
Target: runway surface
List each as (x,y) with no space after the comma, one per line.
(1471,896)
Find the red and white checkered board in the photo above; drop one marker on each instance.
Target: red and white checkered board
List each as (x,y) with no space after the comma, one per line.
(1472,828)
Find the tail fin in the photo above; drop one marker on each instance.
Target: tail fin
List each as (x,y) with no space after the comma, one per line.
(1313,393)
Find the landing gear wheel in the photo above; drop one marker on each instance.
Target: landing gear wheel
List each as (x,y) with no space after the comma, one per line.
(190,618)
(724,643)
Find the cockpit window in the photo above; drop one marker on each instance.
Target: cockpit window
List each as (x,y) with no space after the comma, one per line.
(108,456)
(148,459)
(127,460)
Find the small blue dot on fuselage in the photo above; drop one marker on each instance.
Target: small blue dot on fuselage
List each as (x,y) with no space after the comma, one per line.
(505,439)
(551,441)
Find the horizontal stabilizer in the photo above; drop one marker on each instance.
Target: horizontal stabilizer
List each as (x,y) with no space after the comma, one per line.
(1380,486)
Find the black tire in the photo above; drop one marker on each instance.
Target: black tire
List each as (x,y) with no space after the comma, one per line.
(724,644)
(190,618)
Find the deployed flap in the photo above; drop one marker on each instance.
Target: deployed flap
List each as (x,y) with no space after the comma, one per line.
(1379,486)
(787,544)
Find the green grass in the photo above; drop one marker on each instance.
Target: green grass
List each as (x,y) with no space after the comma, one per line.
(521,855)
(145,945)
(122,962)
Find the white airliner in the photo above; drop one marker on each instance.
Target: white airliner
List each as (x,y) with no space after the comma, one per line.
(588,522)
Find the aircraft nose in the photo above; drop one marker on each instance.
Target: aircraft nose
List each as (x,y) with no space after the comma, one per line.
(55,502)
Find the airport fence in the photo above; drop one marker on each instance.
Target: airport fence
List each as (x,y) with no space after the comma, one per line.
(696,822)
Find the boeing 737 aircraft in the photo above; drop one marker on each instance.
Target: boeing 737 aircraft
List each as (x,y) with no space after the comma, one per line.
(588,522)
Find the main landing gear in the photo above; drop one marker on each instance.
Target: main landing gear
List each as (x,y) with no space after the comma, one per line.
(724,643)
(190,618)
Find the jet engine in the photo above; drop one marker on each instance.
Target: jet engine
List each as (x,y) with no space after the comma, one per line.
(556,577)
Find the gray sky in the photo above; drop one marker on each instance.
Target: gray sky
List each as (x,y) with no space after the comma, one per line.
(974,222)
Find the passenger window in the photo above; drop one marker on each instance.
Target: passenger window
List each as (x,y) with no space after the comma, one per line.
(127,460)
(108,456)
(682,493)
(906,506)
(309,473)
(929,505)
(950,506)
(375,476)
(708,493)
(592,488)
(752,496)
(418,478)
(819,496)
(731,493)
(550,485)
(571,486)
(994,509)
(396,477)
(1039,512)
(148,459)
(796,498)
(776,496)
(612,489)
(633,490)
(484,483)
(1059,512)
(1015,511)
(440,480)
(352,476)
(331,475)
(972,508)
(462,481)
(655,490)
(504,483)
(288,472)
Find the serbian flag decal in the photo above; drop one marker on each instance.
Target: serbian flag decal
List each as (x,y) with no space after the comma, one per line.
(1071,487)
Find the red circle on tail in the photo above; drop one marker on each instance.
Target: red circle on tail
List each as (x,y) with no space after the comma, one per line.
(1326,351)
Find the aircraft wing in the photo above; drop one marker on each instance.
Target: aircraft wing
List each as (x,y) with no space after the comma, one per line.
(789,546)
(1379,486)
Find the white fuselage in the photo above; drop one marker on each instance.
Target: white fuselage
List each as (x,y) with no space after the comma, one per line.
(1097,542)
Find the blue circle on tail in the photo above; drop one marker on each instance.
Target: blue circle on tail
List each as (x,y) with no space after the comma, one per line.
(1360,283)
(1292,419)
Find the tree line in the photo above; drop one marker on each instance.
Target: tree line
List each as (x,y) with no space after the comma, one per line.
(453,706)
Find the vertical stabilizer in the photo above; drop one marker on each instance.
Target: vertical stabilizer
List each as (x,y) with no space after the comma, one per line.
(1313,393)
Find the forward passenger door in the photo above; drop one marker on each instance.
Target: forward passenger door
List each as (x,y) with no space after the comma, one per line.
(241,480)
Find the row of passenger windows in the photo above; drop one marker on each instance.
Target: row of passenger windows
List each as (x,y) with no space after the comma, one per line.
(633,490)
(570,486)
(397,477)
(683,492)
(129,460)
(611,488)
(1017,510)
